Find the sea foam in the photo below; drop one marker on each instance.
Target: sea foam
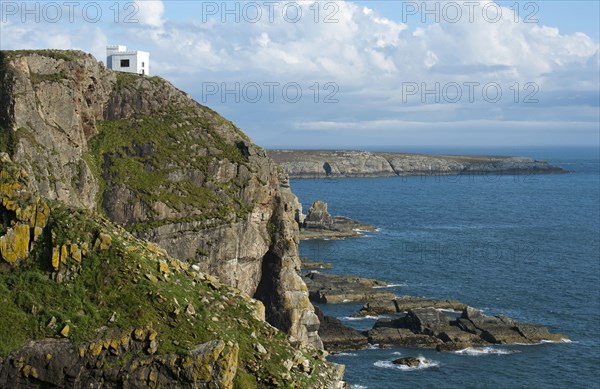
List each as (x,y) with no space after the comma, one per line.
(479,351)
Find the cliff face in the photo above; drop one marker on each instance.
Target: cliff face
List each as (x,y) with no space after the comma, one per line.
(166,168)
(86,304)
(349,163)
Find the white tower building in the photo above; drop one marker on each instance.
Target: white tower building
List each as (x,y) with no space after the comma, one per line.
(118,58)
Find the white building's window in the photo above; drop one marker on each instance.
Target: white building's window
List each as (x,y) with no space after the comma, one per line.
(124,63)
(143,65)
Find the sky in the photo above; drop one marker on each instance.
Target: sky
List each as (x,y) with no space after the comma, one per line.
(354,74)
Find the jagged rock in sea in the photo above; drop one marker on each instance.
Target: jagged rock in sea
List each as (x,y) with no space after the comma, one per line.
(319,224)
(168,169)
(318,216)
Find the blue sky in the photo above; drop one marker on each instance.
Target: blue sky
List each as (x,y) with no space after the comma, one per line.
(370,73)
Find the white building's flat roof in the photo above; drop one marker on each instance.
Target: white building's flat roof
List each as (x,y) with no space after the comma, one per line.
(132,52)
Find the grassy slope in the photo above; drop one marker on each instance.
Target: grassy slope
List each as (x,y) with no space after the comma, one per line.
(136,285)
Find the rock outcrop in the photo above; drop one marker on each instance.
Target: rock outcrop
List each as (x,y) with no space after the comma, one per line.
(319,224)
(156,162)
(404,303)
(337,337)
(86,304)
(330,288)
(429,327)
(318,164)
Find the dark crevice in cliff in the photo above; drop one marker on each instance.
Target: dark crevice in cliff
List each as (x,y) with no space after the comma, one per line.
(266,292)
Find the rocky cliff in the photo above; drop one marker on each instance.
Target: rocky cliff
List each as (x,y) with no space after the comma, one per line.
(166,168)
(349,163)
(86,304)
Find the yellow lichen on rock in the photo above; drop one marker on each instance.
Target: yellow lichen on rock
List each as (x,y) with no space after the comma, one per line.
(55,258)
(64,254)
(103,242)
(65,331)
(163,268)
(14,245)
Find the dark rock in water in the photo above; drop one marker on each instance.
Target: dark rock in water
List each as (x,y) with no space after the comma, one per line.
(410,361)
(378,307)
(431,328)
(404,303)
(307,264)
(426,321)
(328,288)
(338,337)
(401,336)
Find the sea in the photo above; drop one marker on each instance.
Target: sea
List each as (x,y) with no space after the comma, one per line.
(525,246)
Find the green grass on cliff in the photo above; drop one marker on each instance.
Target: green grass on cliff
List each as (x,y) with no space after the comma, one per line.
(151,155)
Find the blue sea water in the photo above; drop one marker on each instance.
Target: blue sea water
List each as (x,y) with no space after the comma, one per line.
(524,246)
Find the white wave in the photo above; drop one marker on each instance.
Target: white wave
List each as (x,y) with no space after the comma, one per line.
(563,340)
(388,286)
(423,364)
(367,317)
(358,387)
(396,353)
(346,354)
(346,301)
(374,346)
(377,229)
(478,351)
(447,310)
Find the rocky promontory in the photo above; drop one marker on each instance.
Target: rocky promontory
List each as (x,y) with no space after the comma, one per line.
(318,164)
(167,170)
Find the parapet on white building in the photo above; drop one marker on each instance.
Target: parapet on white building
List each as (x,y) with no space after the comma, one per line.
(118,58)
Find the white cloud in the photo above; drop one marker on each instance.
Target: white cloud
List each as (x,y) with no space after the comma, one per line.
(150,12)
(368,55)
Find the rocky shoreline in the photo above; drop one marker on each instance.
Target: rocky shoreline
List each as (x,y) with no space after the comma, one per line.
(410,321)
(318,164)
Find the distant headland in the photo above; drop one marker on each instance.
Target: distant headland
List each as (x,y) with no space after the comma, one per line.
(352,163)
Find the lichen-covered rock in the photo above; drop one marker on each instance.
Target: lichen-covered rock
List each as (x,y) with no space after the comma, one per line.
(14,244)
(22,214)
